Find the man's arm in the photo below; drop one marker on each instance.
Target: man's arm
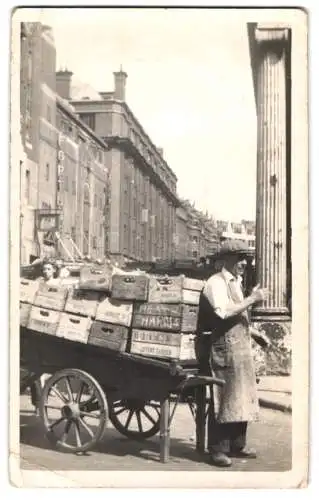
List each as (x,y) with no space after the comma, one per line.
(216,293)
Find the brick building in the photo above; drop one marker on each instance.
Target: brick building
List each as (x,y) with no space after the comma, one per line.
(196,233)
(142,186)
(63,171)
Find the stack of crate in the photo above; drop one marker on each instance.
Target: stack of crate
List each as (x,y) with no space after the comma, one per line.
(165,326)
(153,316)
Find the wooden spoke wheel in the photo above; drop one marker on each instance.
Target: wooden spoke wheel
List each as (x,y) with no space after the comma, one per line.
(135,419)
(74,410)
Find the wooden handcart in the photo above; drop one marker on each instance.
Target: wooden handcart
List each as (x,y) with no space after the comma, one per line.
(89,385)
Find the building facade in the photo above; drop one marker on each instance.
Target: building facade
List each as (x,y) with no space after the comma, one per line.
(196,233)
(64,177)
(142,193)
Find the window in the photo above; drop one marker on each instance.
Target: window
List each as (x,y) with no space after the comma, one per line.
(47,172)
(73,187)
(88,119)
(27,186)
(66,183)
(73,233)
(95,200)
(101,229)
(48,114)
(94,242)
(195,253)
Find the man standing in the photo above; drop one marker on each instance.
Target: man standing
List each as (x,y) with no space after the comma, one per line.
(223,347)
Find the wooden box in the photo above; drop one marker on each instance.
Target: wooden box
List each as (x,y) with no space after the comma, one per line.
(190,297)
(115,311)
(51,297)
(28,290)
(130,286)
(95,278)
(83,302)
(24,313)
(165,289)
(107,335)
(163,344)
(76,328)
(189,318)
(162,317)
(43,320)
(193,284)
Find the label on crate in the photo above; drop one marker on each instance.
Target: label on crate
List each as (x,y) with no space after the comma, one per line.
(155,350)
(156,337)
(158,309)
(157,322)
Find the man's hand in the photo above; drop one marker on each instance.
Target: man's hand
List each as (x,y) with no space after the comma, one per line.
(259,294)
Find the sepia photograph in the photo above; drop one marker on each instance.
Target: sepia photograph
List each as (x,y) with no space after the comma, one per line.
(159,247)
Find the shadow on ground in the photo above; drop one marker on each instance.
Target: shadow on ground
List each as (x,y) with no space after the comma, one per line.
(113,443)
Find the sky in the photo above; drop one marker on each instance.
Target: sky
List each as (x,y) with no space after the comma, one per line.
(189,84)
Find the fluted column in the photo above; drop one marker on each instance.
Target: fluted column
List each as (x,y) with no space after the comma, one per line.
(271,219)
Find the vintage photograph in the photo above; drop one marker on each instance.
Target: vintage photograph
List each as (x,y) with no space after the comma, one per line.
(159,232)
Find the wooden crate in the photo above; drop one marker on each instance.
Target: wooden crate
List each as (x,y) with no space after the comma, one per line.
(163,344)
(28,290)
(166,289)
(83,302)
(189,318)
(115,311)
(76,328)
(107,335)
(95,278)
(162,317)
(43,320)
(130,287)
(51,297)
(193,284)
(190,297)
(24,313)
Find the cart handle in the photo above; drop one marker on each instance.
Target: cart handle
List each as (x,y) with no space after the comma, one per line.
(193,380)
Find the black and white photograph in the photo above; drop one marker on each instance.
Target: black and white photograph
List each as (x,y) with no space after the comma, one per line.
(159,247)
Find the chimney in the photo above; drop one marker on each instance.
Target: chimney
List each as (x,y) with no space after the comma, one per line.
(63,83)
(119,84)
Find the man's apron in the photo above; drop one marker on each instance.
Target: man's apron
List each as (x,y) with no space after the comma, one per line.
(231,359)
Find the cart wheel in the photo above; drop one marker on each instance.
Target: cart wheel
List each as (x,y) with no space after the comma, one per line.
(134,418)
(74,410)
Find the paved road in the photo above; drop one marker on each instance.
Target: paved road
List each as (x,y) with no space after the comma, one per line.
(271,436)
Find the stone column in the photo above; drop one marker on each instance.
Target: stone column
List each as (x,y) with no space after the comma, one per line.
(271,67)
(271,220)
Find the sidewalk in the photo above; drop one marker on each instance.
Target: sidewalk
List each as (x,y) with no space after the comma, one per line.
(275,393)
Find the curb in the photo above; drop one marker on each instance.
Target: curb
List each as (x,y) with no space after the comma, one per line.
(272,405)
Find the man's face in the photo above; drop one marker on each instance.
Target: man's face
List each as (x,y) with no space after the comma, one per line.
(48,271)
(237,265)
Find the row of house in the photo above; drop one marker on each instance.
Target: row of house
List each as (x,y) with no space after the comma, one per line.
(92,181)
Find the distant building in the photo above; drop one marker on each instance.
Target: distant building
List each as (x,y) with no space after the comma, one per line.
(243,231)
(196,233)
(143,196)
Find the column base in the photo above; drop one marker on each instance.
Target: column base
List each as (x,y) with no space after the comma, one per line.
(275,359)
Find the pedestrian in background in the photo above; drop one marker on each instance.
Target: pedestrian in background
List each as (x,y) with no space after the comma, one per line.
(223,348)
